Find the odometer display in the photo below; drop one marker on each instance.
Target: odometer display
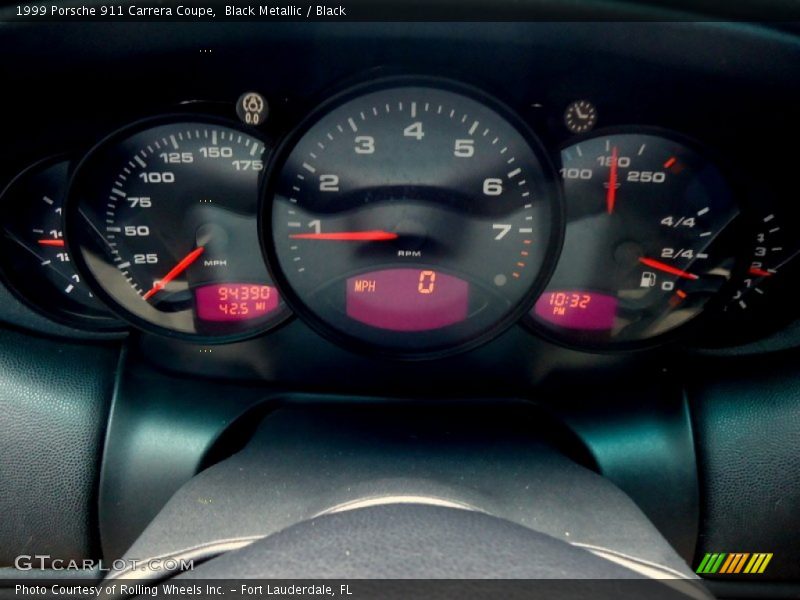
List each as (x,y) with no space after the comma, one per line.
(235,301)
(411,219)
(162,217)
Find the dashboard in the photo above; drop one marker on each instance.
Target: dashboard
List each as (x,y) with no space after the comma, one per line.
(414,215)
(584,232)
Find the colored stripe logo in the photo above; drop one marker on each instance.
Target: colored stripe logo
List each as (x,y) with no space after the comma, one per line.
(734,563)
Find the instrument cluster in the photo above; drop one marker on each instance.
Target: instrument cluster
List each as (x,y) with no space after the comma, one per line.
(409,217)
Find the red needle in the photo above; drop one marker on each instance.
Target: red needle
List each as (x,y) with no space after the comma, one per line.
(174,272)
(656,264)
(759,272)
(58,243)
(611,194)
(348,236)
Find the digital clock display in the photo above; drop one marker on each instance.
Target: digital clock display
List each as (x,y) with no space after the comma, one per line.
(225,302)
(571,309)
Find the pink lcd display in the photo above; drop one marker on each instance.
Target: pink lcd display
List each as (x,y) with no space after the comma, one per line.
(577,310)
(407,299)
(226,302)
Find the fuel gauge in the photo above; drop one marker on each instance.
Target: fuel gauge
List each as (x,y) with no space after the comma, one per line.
(35,261)
(646,213)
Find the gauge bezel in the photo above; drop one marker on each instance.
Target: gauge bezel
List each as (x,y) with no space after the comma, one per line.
(694,324)
(81,321)
(733,326)
(72,222)
(352,342)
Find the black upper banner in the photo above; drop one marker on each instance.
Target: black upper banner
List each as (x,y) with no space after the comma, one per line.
(402,10)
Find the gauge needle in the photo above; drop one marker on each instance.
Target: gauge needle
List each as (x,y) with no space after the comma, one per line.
(759,272)
(174,272)
(611,194)
(657,264)
(348,236)
(57,243)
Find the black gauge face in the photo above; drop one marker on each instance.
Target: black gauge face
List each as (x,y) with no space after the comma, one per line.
(764,297)
(35,259)
(640,256)
(162,217)
(411,220)
(772,250)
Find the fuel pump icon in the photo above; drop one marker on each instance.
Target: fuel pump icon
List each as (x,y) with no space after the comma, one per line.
(648,279)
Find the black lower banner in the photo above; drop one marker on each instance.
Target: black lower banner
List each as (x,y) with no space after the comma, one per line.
(358,589)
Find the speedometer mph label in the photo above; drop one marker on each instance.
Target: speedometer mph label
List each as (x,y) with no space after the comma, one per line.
(411,219)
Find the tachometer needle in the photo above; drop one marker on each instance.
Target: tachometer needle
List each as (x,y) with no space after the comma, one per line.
(656,264)
(56,243)
(174,272)
(348,236)
(611,194)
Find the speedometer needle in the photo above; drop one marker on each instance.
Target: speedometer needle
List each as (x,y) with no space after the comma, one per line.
(348,236)
(656,264)
(174,272)
(611,194)
(55,243)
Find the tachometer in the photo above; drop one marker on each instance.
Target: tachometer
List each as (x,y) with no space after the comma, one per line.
(411,218)
(641,255)
(162,218)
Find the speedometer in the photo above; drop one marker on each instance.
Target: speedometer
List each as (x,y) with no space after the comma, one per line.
(411,218)
(162,220)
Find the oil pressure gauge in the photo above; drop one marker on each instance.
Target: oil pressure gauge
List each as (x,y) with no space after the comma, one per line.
(772,249)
